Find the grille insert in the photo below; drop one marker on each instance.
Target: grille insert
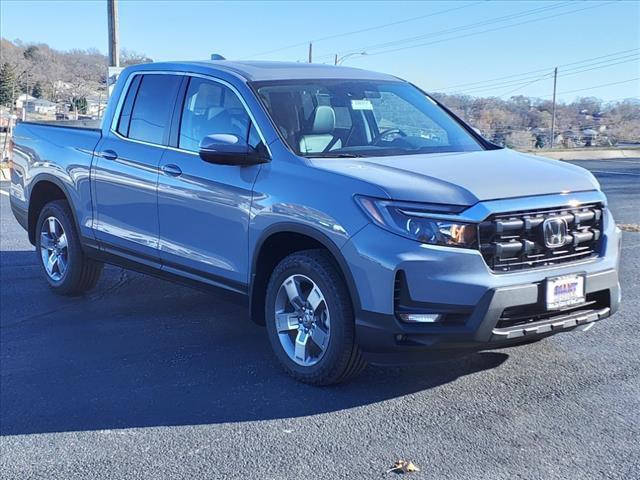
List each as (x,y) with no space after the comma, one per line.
(516,241)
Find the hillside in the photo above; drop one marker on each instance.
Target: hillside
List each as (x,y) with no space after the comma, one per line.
(69,77)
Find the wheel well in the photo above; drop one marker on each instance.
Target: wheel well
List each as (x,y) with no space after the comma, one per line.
(43,193)
(272,251)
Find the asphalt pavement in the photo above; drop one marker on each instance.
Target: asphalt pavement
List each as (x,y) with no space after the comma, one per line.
(142,378)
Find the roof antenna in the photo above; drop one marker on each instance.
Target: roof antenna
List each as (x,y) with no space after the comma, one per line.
(215,56)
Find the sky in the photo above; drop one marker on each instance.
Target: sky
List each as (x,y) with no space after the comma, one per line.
(481,48)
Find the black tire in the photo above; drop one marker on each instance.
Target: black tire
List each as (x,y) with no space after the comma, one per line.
(342,358)
(81,273)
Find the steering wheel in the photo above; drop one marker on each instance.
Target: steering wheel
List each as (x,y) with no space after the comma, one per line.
(386,132)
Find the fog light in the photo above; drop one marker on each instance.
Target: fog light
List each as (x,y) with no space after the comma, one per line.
(421,317)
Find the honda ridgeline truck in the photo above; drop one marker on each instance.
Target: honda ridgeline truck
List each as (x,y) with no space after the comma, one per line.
(363,220)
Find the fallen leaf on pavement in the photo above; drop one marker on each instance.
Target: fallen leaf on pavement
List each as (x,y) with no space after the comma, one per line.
(403,466)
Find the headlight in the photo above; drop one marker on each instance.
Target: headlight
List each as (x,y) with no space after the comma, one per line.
(412,221)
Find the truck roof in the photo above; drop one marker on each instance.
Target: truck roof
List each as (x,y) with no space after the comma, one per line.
(255,71)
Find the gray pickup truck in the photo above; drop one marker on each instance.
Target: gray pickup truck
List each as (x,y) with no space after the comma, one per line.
(362,220)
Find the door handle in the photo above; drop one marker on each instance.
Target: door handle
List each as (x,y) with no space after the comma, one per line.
(172,170)
(109,155)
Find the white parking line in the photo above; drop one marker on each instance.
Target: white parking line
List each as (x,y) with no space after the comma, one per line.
(616,173)
(4,193)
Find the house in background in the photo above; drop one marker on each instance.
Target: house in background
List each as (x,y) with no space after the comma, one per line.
(42,106)
(22,99)
(96,105)
(35,105)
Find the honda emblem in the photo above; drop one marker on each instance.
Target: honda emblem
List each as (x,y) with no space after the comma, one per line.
(555,232)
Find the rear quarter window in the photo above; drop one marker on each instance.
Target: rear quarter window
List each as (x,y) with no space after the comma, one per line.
(125,114)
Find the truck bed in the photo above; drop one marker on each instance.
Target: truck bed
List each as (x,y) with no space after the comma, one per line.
(58,153)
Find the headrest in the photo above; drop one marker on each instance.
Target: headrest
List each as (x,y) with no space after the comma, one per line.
(284,111)
(324,120)
(208,96)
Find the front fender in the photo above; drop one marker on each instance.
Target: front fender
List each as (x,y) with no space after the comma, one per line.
(317,235)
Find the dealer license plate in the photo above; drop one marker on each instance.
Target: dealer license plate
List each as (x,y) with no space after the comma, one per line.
(565,291)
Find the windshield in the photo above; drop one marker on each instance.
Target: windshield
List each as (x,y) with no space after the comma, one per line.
(354,118)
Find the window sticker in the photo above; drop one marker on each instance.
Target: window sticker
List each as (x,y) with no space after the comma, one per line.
(361,104)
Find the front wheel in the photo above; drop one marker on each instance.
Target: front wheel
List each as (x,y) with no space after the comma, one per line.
(67,269)
(310,319)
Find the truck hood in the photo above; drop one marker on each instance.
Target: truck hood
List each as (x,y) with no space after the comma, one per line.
(463,178)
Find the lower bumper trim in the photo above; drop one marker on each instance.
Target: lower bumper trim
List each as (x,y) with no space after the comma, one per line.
(547,326)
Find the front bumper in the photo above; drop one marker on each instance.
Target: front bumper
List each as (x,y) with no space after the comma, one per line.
(389,270)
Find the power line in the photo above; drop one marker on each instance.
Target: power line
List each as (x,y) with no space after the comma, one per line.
(520,86)
(565,73)
(522,74)
(598,86)
(457,29)
(488,30)
(521,82)
(463,27)
(597,68)
(501,85)
(544,77)
(593,87)
(369,29)
(492,29)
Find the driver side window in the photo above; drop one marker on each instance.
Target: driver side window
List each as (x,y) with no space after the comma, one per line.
(210,108)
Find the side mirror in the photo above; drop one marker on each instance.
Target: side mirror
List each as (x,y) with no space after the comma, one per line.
(228,149)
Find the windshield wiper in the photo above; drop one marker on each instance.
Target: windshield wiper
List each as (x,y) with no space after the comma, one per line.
(334,155)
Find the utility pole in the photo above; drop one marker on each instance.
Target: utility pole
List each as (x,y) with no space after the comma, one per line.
(25,104)
(335,60)
(114,36)
(310,52)
(553,108)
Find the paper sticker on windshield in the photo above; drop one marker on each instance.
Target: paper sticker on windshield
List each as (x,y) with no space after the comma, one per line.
(361,104)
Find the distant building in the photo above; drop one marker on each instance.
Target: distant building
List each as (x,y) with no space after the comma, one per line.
(24,98)
(96,105)
(42,106)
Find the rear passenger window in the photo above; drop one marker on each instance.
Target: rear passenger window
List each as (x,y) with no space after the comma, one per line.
(152,108)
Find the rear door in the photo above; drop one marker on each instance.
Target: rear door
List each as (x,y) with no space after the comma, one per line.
(204,208)
(125,174)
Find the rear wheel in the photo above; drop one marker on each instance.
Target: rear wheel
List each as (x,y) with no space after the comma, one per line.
(67,269)
(310,320)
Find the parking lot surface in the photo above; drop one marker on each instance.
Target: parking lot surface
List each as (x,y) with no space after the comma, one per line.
(146,379)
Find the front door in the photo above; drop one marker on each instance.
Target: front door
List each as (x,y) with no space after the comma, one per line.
(204,209)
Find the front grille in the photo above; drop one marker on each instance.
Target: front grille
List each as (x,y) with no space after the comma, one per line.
(515,241)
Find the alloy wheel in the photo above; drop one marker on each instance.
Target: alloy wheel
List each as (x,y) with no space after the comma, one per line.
(54,248)
(302,320)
